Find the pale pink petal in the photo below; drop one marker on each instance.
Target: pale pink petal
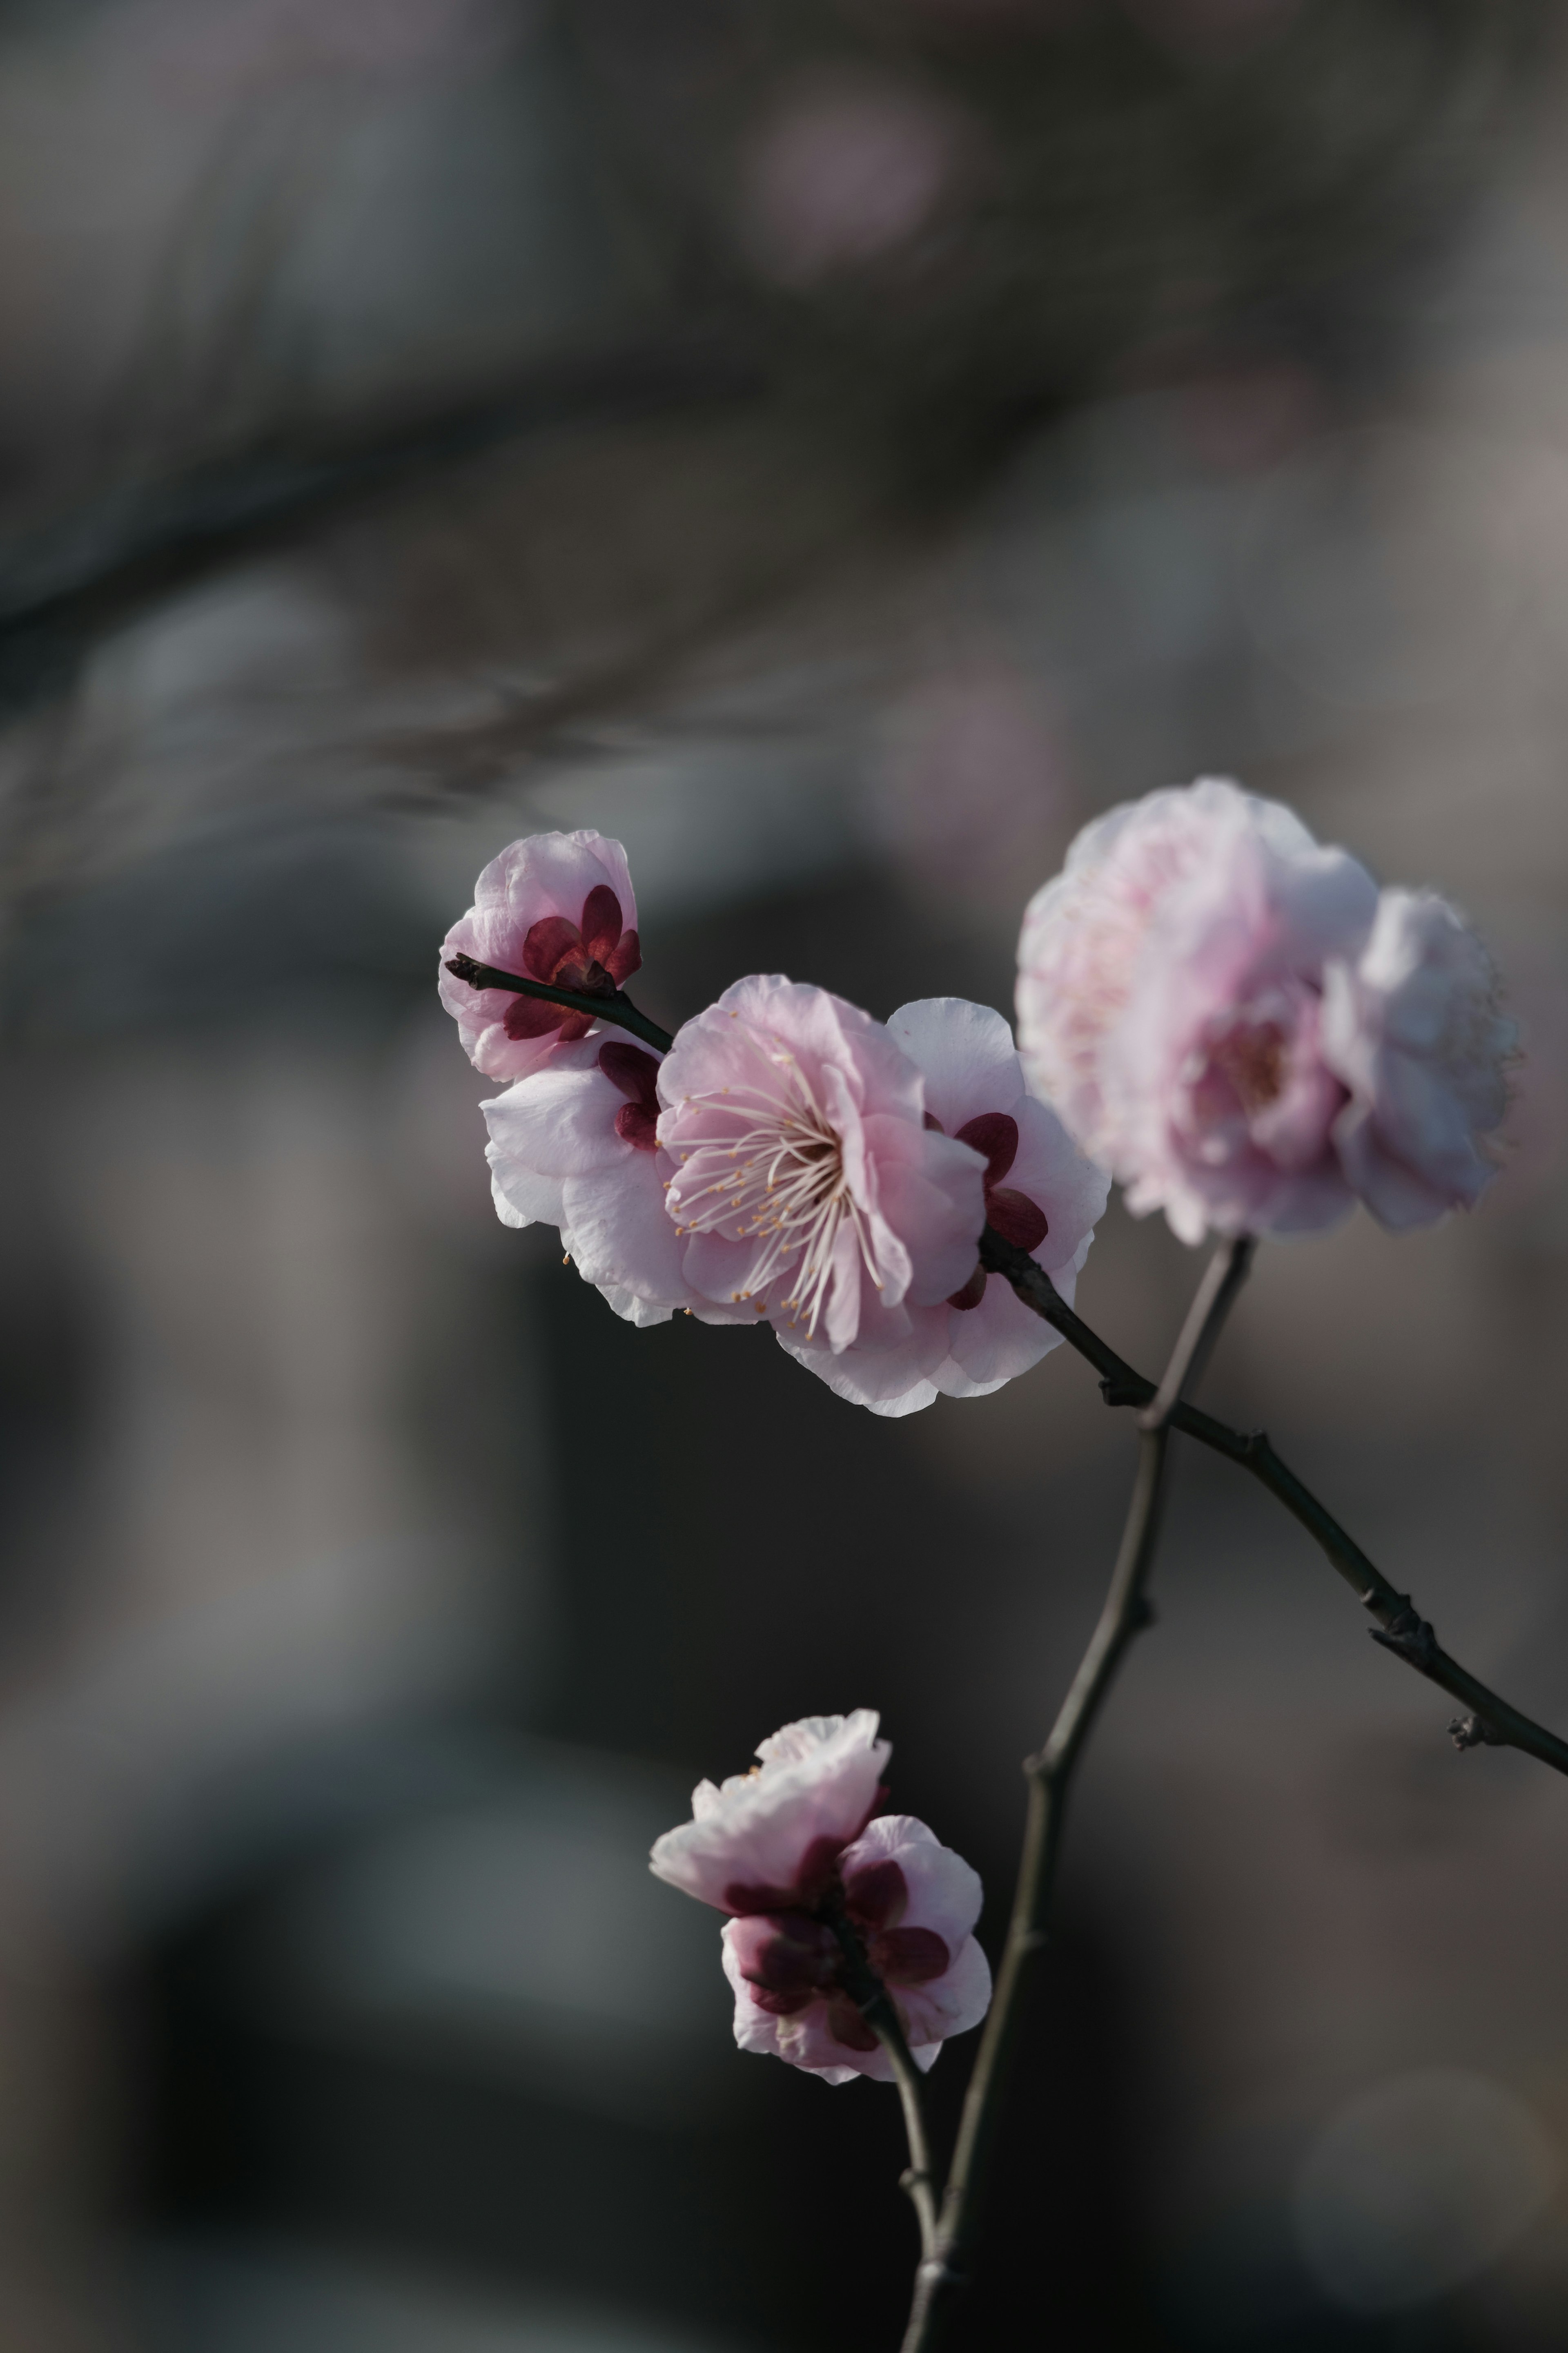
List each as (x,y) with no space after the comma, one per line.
(817,1781)
(561,1121)
(616,1226)
(949,2005)
(944,1892)
(888,1380)
(966,1055)
(523,1198)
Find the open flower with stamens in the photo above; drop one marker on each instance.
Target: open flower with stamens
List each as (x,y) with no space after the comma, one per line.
(574,1145)
(795,1852)
(558,908)
(807,1186)
(1039,1192)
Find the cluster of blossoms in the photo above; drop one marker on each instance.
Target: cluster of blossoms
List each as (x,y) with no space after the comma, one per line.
(1232,1021)
(788,1160)
(797,1854)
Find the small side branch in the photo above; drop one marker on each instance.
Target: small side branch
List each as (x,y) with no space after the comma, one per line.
(613,1006)
(1049,1775)
(1490,1720)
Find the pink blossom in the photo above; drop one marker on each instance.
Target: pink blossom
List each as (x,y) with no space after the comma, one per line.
(913,1902)
(807,1185)
(790,1849)
(1040,1192)
(1170,1004)
(769,1838)
(574,1145)
(556,907)
(1232,1017)
(1412,1029)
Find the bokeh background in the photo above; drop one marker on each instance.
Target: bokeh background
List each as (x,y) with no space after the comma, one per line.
(837,446)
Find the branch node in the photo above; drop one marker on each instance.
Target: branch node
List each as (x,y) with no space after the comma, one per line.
(1124,1388)
(1474,1731)
(936,2272)
(1410,1638)
(1140,1613)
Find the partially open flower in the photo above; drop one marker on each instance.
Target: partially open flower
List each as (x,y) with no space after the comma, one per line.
(574,1145)
(1039,1192)
(912,1904)
(807,1185)
(558,908)
(790,1850)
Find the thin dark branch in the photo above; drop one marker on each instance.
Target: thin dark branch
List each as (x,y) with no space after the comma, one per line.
(1490,1720)
(1049,1774)
(871,1998)
(613,1006)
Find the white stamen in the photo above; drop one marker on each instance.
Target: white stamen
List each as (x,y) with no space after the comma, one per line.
(791,1192)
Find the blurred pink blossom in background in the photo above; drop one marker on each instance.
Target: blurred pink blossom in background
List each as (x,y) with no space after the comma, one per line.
(1228,1014)
(838,178)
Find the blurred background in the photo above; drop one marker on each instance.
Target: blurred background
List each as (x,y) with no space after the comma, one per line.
(837,446)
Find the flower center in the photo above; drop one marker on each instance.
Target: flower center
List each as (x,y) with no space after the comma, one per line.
(778,1181)
(1252,1056)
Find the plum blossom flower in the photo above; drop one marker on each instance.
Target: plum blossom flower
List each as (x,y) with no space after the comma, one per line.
(913,1905)
(1039,1192)
(556,907)
(1193,996)
(807,1185)
(1413,1028)
(792,1852)
(574,1145)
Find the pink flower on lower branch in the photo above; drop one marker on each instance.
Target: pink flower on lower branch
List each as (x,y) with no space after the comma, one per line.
(559,908)
(1039,1192)
(789,1850)
(808,1187)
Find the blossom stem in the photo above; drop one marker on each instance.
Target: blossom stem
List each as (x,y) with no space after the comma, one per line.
(613,1006)
(1049,1776)
(874,2002)
(1490,1721)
